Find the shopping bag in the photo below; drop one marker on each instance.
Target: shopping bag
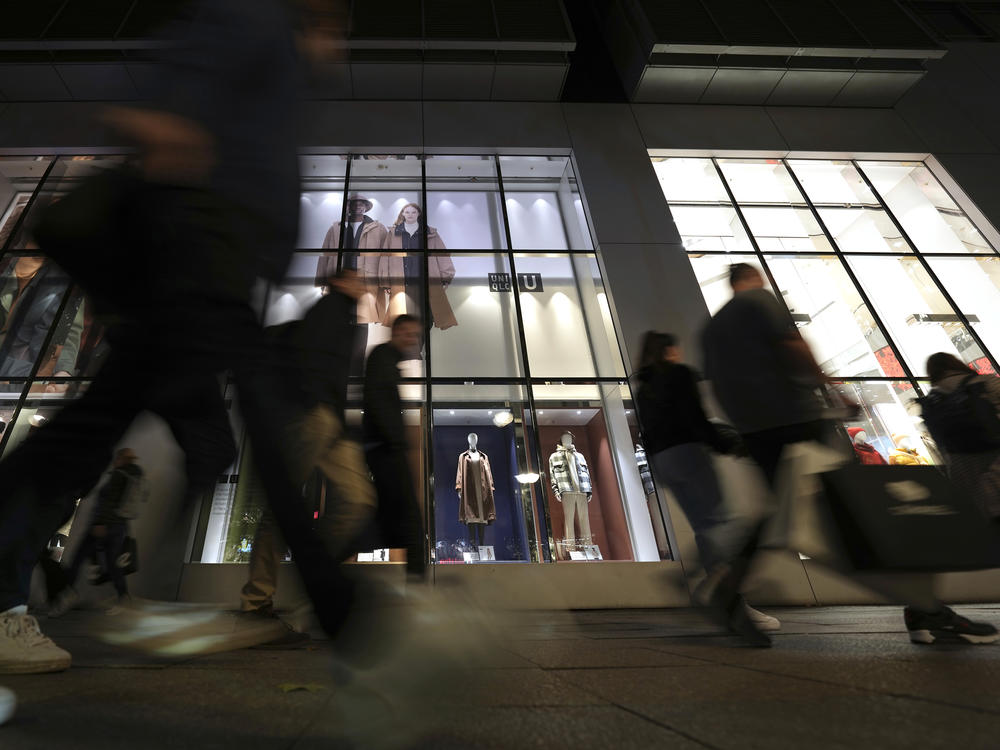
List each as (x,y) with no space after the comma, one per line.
(907,518)
(801,520)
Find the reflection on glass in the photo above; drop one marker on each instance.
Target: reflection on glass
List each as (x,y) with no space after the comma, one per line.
(889,430)
(37,410)
(933,221)
(19,175)
(474,329)
(487,477)
(463,197)
(657,514)
(832,317)
(916,314)
(544,206)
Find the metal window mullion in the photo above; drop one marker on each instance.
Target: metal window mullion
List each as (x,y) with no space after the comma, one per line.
(28,206)
(38,362)
(850,273)
(343,214)
(526,368)
(429,479)
(753,240)
(928,270)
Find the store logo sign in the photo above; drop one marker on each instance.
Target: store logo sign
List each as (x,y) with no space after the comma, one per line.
(500,282)
(530,282)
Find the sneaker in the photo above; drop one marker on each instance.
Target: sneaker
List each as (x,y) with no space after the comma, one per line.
(764,622)
(24,650)
(290,639)
(173,629)
(946,626)
(65,601)
(8,702)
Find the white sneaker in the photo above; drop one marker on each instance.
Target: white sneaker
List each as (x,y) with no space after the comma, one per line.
(8,702)
(66,600)
(760,620)
(24,650)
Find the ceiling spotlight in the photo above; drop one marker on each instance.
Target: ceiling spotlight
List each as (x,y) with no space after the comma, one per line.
(503,418)
(529,478)
(579,412)
(452,412)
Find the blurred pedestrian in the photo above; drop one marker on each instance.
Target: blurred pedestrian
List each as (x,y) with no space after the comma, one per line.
(678,437)
(117,504)
(398,519)
(322,345)
(962,413)
(766,379)
(213,207)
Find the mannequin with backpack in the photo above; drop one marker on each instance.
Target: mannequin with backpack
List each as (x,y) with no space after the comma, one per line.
(962,413)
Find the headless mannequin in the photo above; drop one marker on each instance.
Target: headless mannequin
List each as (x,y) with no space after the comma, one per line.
(477,531)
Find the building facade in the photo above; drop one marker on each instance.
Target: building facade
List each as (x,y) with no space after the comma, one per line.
(861,180)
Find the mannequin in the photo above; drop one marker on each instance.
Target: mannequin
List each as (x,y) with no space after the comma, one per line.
(905,454)
(570,478)
(867,455)
(644,473)
(474,483)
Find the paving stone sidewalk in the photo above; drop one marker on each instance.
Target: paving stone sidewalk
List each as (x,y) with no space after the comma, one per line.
(837,677)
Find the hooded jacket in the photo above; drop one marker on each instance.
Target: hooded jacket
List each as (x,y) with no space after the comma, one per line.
(866,454)
(905,456)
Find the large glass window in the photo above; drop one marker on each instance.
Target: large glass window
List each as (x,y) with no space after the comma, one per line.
(833,237)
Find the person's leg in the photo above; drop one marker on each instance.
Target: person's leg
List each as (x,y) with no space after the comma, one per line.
(265,557)
(114,545)
(398,514)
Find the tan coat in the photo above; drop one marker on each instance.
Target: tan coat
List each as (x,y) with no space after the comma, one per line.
(373,237)
(468,510)
(440,271)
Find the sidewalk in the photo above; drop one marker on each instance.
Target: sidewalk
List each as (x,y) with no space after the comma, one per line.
(841,677)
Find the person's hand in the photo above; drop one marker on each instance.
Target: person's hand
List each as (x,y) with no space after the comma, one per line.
(58,387)
(589,497)
(558,497)
(175,149)
(349,284)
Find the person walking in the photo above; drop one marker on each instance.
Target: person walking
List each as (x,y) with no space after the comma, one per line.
(766,380)
(398,520)
(322,344)
(117,501)
(678,437)
(971,442)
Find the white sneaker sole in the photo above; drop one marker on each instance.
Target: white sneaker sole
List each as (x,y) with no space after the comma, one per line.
(55,664)
(926,637)
(8,704)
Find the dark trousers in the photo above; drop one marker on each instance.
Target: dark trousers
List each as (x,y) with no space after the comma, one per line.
(397,519)
(194,321)
(106,549)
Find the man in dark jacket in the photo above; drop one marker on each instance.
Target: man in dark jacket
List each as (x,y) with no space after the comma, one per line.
(398,515)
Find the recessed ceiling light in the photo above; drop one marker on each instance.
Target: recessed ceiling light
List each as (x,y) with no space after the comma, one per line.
(579,412)
(452,412)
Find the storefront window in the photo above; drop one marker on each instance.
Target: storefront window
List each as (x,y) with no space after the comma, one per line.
(19,176)
(888,430)
(920,203)
(322,201)
(544,206)
(712,272)
(974,284)
(463,197)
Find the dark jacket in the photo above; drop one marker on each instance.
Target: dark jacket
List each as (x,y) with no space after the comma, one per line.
(322,344)
(382,423)
(113,493)
(670,408)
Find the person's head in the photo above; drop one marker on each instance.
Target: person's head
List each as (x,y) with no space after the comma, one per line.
(941,365)
(658,347)
(409,215)
(357,207)
(124,457)
(406,334)
(743,276)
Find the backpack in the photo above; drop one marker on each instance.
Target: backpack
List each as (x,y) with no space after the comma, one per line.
(136,493)
(963,421)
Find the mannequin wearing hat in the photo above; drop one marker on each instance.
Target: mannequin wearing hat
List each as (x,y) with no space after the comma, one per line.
(864,450)
(905,454)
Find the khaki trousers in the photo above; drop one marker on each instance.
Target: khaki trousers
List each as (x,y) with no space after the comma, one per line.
(575,511)
(320,445)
